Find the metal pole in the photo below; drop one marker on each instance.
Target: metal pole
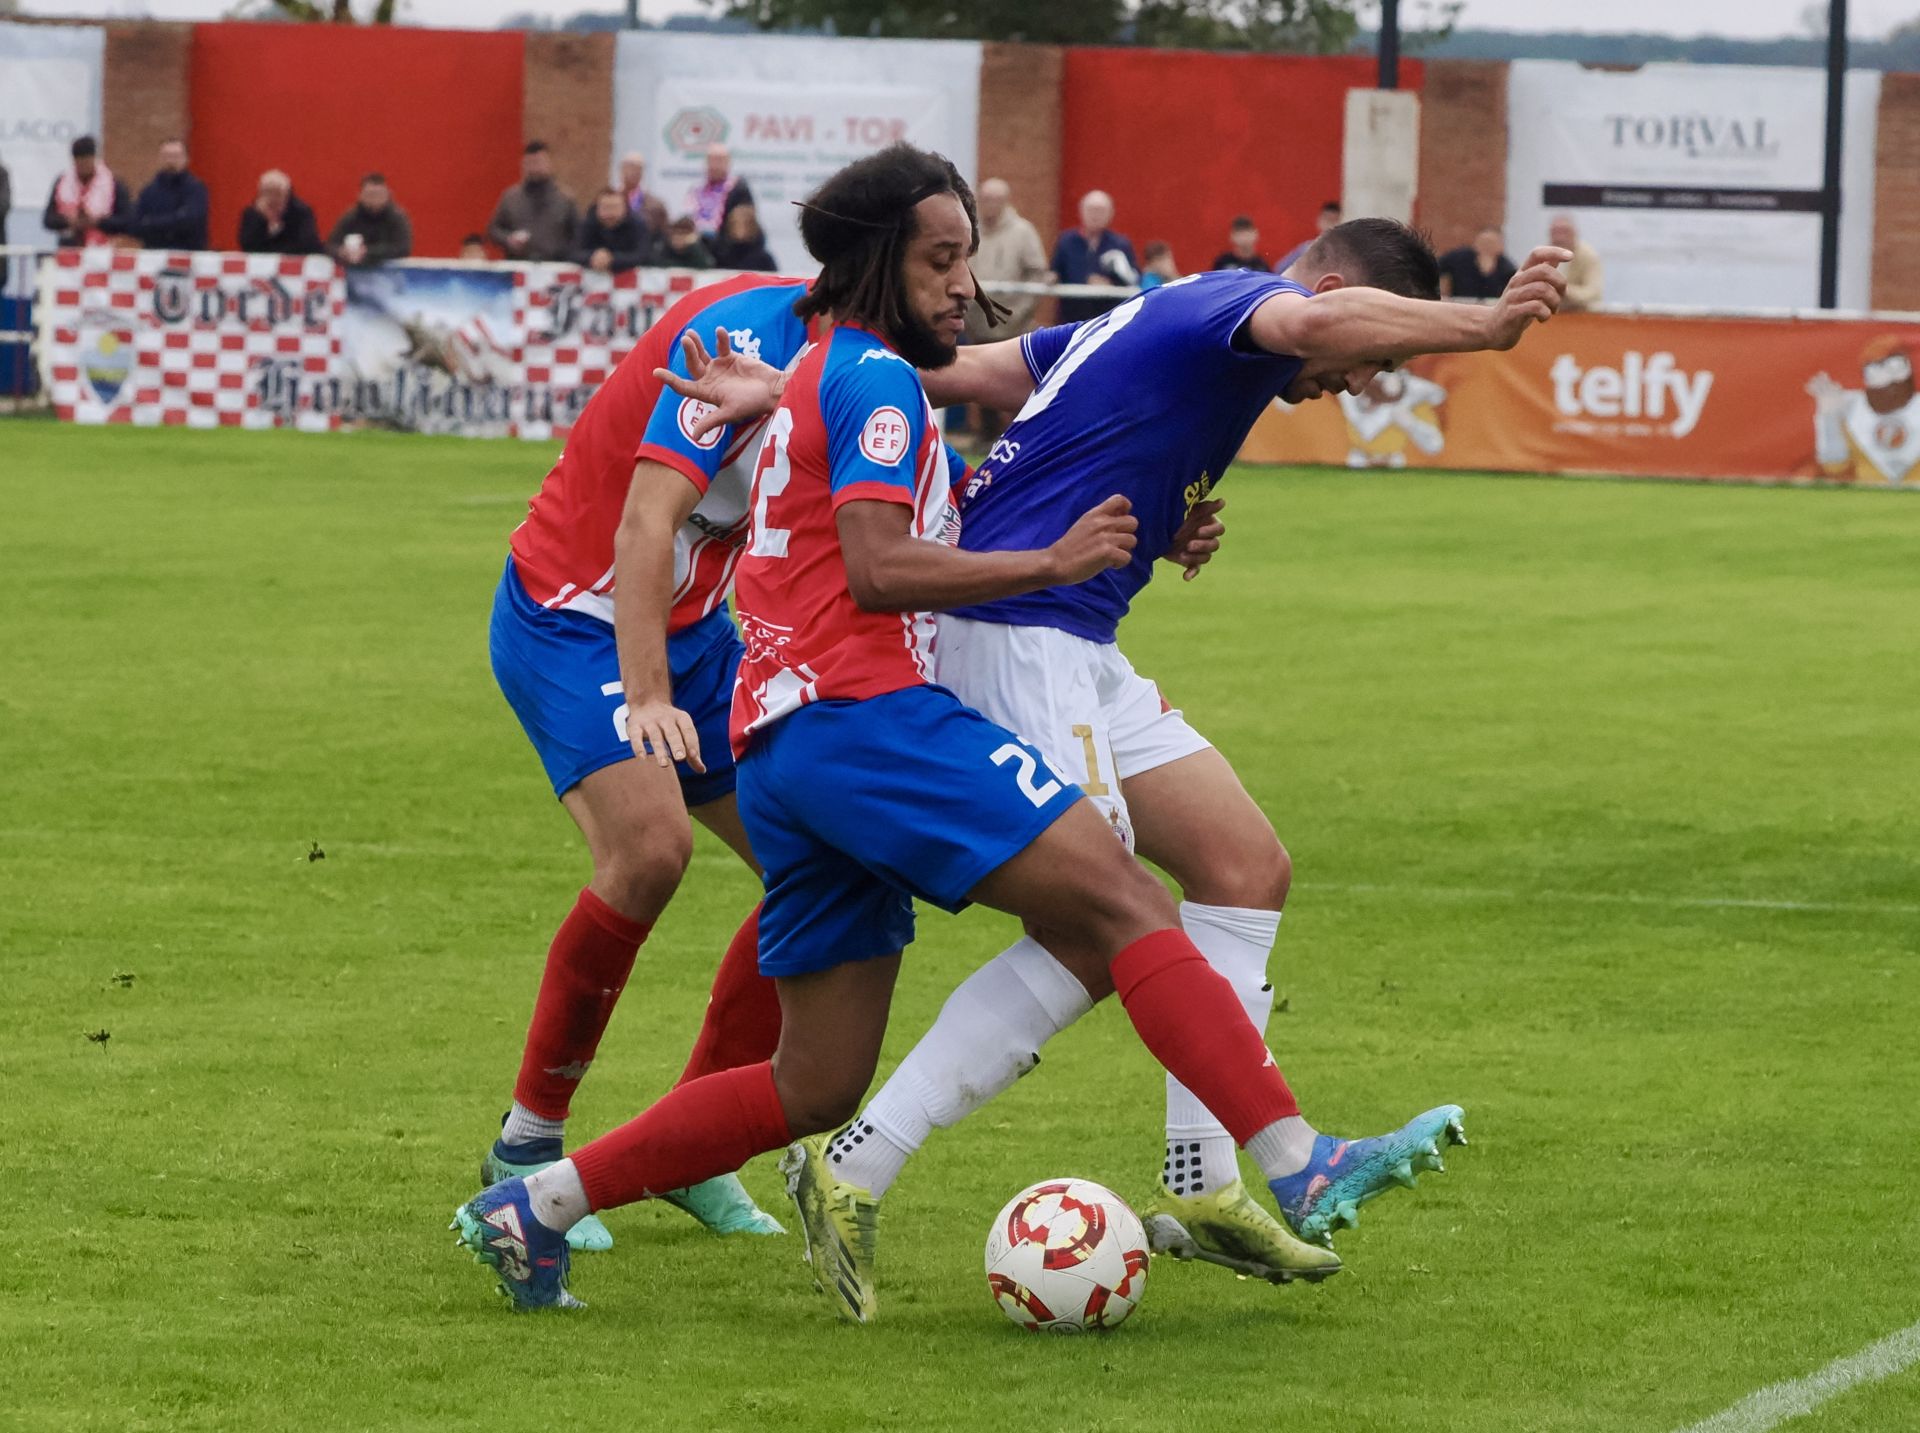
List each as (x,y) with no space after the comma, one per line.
(1389,44)
(633,14)
(1830,184)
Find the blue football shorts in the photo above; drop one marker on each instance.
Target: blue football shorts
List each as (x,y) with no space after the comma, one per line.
(856,807)
(560,672)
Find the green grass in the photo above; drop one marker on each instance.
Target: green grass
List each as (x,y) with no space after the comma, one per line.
(1517,734)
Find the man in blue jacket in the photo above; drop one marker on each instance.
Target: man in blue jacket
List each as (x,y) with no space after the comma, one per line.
(1094,254)
(171,212)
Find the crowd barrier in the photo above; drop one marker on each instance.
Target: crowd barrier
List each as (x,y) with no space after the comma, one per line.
(231,340)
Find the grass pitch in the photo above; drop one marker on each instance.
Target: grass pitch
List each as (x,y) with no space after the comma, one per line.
(1602,799)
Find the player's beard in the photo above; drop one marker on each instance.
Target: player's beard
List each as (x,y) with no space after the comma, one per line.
(924,346)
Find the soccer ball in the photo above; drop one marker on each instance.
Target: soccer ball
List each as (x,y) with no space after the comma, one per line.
(1067,1255)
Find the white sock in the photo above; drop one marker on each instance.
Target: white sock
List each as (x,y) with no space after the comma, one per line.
(523,1124)
(558,1197)
(988,1035)
(1236,942)
(1283,1147)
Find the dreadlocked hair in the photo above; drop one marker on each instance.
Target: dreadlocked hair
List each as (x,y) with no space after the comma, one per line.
(858,225)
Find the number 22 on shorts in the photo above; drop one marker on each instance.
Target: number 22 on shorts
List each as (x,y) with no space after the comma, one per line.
(1024,768)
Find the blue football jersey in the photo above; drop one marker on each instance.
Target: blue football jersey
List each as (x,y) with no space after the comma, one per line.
(1151,401)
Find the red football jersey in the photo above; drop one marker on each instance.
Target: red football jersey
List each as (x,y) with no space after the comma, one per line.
(563,552)
(853,426)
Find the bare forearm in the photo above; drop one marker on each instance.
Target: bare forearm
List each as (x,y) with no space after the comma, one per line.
(642,600)
(917,576)
(993,374)
(1359,324)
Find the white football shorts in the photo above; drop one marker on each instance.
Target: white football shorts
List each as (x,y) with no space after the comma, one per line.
(1081,704)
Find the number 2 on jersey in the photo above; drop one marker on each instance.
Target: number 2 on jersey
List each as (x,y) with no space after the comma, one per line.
(1025,767)
(771,482)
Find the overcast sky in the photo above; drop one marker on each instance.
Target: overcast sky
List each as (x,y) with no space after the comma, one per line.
(1746,18)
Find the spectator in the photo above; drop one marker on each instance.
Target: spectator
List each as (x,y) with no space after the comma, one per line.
(1010,253)
(742,244)
(1159,268)
(680,247)
(278,221)
(84,197)
(1329,216)
(633,173)
(171,212)
(611,240)
(709,202)
(653,219)
(473,248)
(375,230)
(1584,278)
(1093,254)
(1243,247)
(535,218)
(1479,270)
(6,200)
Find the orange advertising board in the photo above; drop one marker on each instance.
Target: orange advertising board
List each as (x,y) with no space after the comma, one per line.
(1655,396)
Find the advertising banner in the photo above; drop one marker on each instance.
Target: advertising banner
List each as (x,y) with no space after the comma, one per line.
(1826,399)
(1696,184)
(49,97)
(791,109)
(259,341)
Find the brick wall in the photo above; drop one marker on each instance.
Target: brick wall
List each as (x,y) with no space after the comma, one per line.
(1020,109)
(145,84)
(569,104)
(1463,149)
(1896,202)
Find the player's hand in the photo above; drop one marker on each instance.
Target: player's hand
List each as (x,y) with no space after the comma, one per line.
(1102,538)
(1198,539)
(663,734)
(735,388)
(1532,295)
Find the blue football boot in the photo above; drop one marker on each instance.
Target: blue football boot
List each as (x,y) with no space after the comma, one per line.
(529,1259)
(508,1161)
(1343,1174)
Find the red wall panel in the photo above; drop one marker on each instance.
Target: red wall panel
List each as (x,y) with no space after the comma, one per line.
(437,111)
(1185,140)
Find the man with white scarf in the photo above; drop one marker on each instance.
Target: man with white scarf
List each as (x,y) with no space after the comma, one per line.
(84,194)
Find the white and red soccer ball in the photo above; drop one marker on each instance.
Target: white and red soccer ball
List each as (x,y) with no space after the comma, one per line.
(1065,1256)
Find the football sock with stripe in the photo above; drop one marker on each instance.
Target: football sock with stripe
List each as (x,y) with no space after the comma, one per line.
(988,1034)
(1236,942)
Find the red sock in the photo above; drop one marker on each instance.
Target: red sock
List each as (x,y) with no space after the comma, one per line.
(695,1131)
(742,1023)
(587,966)
(1186,1013)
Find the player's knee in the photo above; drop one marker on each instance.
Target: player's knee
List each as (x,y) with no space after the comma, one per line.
(1115,902)
(1253,875)
(638,876)
(825,1104)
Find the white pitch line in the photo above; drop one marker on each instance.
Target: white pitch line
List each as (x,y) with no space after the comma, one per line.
(1492,893)
(1777,1402)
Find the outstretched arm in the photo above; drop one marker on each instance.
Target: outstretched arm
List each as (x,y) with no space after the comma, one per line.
(994,375)
(1360,325)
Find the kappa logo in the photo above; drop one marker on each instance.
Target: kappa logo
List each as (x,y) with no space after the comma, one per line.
(1641,387)
(692,410)
(885,437)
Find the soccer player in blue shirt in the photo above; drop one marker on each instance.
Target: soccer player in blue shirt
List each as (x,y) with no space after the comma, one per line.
(1153,401)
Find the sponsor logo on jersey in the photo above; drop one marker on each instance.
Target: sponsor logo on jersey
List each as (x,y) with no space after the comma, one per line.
(692,410)
(885,437)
